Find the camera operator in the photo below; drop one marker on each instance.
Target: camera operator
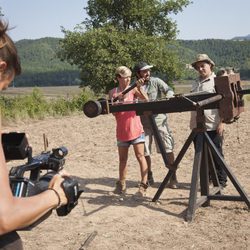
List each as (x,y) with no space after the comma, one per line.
(16,213)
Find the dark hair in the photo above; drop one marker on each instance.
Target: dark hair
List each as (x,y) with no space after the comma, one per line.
(8,51)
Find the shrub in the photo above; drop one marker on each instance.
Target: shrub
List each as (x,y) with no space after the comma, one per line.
(36,106)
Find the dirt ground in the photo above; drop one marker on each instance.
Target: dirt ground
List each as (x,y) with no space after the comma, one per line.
(102,221)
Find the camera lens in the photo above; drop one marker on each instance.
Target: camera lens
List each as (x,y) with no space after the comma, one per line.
(59,153)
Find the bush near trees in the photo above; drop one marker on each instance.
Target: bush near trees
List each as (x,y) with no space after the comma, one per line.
(37,106)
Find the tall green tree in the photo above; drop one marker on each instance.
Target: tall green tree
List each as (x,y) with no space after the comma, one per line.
(122,33)
(149,16)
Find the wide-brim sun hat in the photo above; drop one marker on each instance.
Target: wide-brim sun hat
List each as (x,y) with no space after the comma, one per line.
(202,58)
(123,71)
(142,66)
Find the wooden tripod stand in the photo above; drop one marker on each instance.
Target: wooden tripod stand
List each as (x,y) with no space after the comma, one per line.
(203,165)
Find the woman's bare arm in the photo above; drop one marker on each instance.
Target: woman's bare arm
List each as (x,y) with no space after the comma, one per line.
(20,212)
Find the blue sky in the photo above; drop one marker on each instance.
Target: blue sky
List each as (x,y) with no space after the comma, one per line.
(220,19)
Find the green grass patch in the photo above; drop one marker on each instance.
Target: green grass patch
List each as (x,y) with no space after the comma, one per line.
(36,106)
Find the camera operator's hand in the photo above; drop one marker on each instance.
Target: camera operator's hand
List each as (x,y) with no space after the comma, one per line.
(55,185)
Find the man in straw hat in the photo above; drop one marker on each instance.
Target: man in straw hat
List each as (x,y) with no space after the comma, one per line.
(214,126)
(156,89)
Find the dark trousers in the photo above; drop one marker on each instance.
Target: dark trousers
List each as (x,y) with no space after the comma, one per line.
(218,141)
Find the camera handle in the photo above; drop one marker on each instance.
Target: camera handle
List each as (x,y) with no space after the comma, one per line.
(71,189)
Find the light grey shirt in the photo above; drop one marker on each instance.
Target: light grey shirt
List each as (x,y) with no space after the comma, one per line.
(212,118)
(156,90)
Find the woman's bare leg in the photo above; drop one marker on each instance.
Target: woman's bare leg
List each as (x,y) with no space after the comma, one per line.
(123,158)
(139,153)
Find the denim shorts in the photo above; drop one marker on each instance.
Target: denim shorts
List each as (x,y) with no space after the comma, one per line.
(140,139)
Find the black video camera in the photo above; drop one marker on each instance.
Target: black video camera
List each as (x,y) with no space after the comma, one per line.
(16,147)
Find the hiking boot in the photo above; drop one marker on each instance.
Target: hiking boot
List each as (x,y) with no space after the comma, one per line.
(120,187)
(223,184)
(173,182)
(142,192)
(150,181)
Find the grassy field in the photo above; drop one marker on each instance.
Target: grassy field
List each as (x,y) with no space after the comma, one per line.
(50,92)
(67,91)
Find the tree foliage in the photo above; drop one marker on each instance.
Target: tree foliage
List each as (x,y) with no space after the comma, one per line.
(149,16)
(99,51)
(122,33)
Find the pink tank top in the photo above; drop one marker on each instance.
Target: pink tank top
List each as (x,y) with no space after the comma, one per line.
(128,124)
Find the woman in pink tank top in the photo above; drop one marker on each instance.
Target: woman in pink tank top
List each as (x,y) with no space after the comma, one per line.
(129,130)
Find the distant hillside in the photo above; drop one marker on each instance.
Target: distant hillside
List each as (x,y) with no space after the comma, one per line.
(241,38)
(40,65)
(224,53)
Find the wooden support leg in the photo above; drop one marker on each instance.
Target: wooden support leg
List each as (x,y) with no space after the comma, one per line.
(195,177)
(229,173)
(163,185)
(176,163)
(184,148)
(212,169)
(204,174)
